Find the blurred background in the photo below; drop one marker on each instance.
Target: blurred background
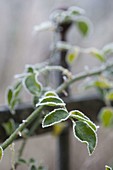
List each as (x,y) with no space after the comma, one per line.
(18,47)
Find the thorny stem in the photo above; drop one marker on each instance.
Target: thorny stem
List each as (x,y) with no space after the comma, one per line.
(64,85)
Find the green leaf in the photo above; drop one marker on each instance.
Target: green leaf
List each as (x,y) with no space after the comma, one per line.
(72,55)
(33,167)
(108,168)
(78,113)
(22,161)
(41,168)
(9,127)
(35,100)
(92,125)
(51,101)
(74,10)
(103,84)
(106,116)
(85,134)
(80,116)
(108,49)
(32,85)
(109,95)
(13,96)
(1,153)
(50,93)
(31,160)
(98,54)
(9,96)
(17,85)
(58,128)
(83,27)
(56,116)
(17,89)
(14,102)
(30,68)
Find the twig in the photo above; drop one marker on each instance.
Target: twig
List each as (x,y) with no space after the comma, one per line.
(25,139)
(83,75)
(64,85)
(21,127)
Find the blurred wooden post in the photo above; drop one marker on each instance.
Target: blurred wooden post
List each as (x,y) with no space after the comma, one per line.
(63,139)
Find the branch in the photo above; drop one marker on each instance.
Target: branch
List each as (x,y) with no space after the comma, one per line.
(83,75)
(44,26)
(21,127)
(63,86)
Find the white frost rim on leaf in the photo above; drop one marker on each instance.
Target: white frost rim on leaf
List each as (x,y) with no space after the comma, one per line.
(52,92)
(74,124)
(51,103)
(106,166)
(56,121)
(36,82)
(84,116)
(88,121)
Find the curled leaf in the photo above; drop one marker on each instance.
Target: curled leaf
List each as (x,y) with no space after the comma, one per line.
(78,113)
(84,133)
(32,85)
(80,116)
(51,101)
